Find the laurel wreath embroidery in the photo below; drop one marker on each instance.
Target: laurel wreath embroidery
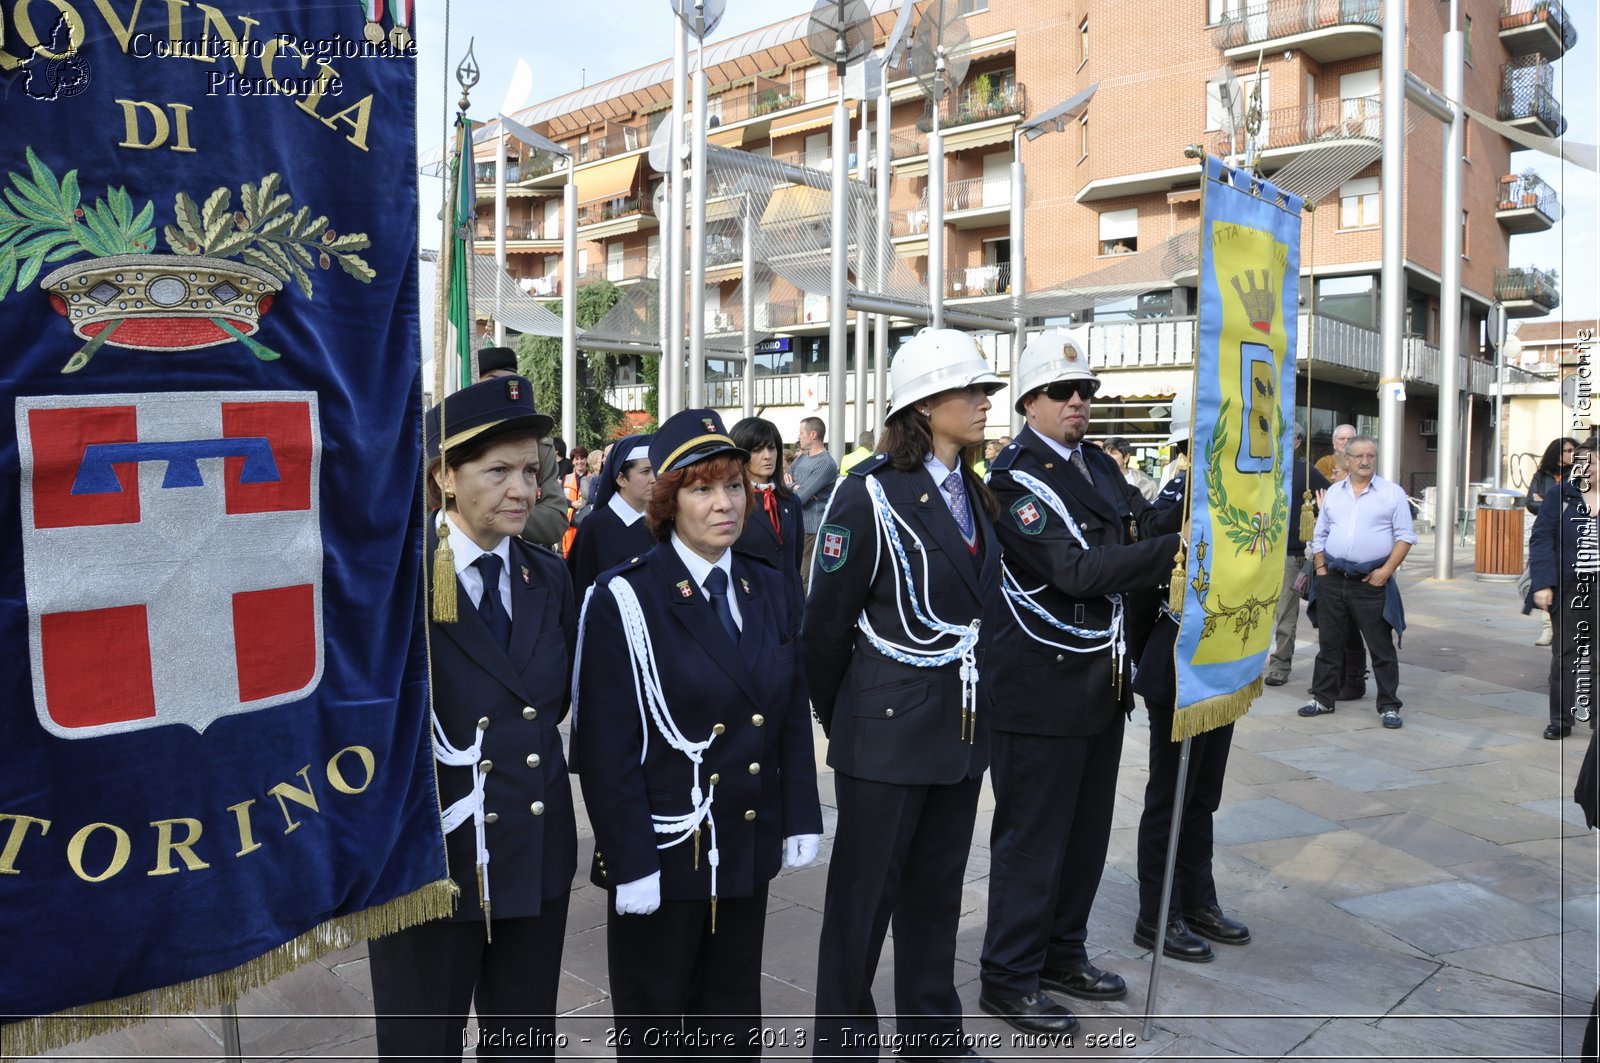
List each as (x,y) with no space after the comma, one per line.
(266,232)
(1245,617)
(1255,532)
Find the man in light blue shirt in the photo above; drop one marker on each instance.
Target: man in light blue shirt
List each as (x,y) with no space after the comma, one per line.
(1363,534)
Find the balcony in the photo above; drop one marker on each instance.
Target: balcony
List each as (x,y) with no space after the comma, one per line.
(614,138)
(1527,97)
(521,174)
(633,267)
(1527,204)
(778,315)
(979,101)
(978,282)
(974,203)
(1525,291)
(615,217)
(1325,30)
(521,237)
(1536,27)
(1290,132)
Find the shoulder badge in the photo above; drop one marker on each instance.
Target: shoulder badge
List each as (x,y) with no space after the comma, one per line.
(684,589)
(868,466)
(1029,514)
(833,546)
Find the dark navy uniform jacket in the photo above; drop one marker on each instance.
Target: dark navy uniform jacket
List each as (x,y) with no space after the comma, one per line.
(1041,689)
(521,695)
(603,542)
(759,539)
(887,721)
(1157,678)
(751,696)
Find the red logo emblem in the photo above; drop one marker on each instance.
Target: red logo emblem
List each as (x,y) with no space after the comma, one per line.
(833,545)
(1028,513)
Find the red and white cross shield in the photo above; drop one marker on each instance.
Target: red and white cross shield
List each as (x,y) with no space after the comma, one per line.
(172,556)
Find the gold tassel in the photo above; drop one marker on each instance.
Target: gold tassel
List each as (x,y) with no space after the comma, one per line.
(444,578)
(713,913)
(697,848)
(1215,712)
(1308,519)
(44,1033)
(1177,588)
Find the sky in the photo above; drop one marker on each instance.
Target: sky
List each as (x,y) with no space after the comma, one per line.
(560,45)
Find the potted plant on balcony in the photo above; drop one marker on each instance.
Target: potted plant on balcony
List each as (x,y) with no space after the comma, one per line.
(1530,188)
(1540,11)
(1508,192)
(1519,15)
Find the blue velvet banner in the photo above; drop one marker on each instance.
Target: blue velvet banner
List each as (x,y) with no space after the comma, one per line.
(214,705)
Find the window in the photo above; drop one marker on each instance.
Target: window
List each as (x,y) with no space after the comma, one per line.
(816,83)
(1119,231)
(614,264)
(971,7)
(818,157)
(1465,253)
(1352,299)
(1358,203)
(1359,106)
(1083,42)
(1217,10)
(1466,42)
(1083,137)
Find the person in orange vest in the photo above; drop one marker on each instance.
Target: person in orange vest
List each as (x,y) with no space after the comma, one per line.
(573,485)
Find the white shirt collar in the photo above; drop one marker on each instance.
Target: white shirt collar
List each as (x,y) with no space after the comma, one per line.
(466,551)
(699,568)
(936,469)
(1060,448)
(618,505)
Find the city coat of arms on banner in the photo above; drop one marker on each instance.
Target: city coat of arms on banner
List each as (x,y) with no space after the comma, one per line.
(215,756)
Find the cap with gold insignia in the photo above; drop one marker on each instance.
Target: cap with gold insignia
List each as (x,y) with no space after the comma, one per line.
(689,436)
(490,407)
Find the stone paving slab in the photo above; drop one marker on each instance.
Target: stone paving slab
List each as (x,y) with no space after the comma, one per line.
(1449,916)
(1265,819)
(1462,1012)
(1340,864)
(1484,815)
(1363,772)
(1426,839)
(1329,799)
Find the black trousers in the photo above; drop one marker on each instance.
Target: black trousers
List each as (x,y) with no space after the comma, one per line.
(424,977)
(1341,601)
(679,991)
(1052,825)
(1572,660)
(900,854)
(1192,884)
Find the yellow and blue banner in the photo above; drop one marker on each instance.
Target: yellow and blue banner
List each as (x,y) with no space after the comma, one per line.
(1240,445)
(214,712)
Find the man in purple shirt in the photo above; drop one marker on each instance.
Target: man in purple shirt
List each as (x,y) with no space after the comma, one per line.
(1363,533)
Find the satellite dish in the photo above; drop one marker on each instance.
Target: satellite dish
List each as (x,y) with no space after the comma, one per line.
(839,32)
(939,56)
(691,11)
(1225,102)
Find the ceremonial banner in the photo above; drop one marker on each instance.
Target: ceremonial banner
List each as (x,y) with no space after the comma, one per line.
(1240,447)
(214,755)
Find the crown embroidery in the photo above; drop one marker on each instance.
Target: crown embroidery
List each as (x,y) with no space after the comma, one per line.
(1258,302)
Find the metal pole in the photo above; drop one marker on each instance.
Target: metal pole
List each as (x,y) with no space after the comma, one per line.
(858,410)
(697,224)
(880,258)
(569,306)
(673,352)
(1498,413)
(1019,276)
(665,218)
(936,222)
(748,287)
(1444,557)
(838,290)
(1166,886)
(232,1045)
(1391,414)
(499,230)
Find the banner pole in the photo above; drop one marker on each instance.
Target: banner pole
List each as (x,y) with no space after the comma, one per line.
(232,1047)
(1166,887)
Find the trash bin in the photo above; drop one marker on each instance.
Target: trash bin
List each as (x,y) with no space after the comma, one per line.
(1499,550)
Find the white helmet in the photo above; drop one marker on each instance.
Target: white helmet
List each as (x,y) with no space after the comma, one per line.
(1052,355)
(936,360)
(1182,417)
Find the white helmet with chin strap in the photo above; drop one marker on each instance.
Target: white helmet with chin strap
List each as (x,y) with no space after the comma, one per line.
(1182,417)
(1051,356)
(936,360)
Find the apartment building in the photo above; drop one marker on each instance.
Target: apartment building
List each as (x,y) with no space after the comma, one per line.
(1114,184)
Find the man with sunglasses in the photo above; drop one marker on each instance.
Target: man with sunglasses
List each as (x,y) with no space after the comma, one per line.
(1084,554)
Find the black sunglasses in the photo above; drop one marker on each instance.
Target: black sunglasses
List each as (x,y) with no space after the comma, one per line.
(1064,390)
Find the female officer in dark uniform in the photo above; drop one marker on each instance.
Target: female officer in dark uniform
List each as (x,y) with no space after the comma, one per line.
(615,528)
(776,529)
(500,686)
(906,564)
(694,750)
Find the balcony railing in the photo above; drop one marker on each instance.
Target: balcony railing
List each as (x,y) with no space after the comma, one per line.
(485,232)
(1325,120)
(1527,91)
(634,265)
(776,315)
(1515,284)
(1261,22)
(975,193)
(1529,190)
(1515,14)
(612,209)
(909,222)
(517,169)
(974,281)
(613,139)
(970,104)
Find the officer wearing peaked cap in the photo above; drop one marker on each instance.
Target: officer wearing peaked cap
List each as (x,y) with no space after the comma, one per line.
(906,566)
(694,747)
(547,518)
(1079,542)
(502,638)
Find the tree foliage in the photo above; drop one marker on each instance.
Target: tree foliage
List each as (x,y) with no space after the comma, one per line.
(539,359)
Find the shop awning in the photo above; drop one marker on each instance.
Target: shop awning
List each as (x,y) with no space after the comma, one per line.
(728,138)
(811,118)
(964,139)
(607,180)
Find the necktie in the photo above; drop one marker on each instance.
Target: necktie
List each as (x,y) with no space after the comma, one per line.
(717,586)
(1082,466)
(769,502)
(958,505)
(489,607)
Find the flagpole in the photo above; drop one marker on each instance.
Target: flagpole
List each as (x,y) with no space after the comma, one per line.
(1159,954)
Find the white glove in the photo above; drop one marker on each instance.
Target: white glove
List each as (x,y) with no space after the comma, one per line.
(641,896)
(800,849)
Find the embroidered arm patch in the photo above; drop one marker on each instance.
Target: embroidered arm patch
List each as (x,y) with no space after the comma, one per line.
(833,546)
(1029,513)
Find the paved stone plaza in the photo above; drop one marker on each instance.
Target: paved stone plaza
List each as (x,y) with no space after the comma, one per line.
(1422,893)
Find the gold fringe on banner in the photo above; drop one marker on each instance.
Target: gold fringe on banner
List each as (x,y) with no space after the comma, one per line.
(44,1033)
(1215,712)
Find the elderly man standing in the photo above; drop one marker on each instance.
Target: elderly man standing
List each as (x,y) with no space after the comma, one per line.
(1341,444)
(1362,536)
(1080,545)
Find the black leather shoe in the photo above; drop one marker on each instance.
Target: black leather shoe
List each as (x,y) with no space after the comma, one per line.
(1036,1012)
(1179,943)
(1085,981)
(1210,923)
(1555,732)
